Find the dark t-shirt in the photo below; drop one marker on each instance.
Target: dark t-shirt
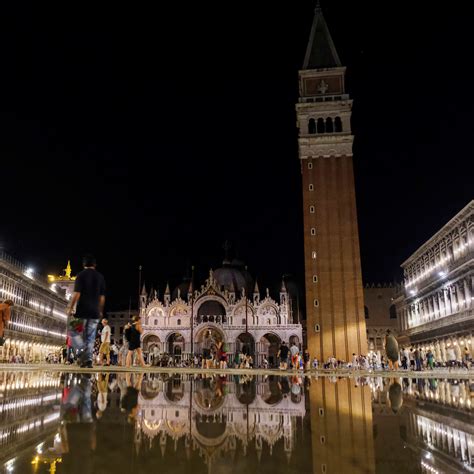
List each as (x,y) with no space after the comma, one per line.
(284,352)
(91,285)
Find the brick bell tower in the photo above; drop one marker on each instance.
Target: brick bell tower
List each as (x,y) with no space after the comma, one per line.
(333,279)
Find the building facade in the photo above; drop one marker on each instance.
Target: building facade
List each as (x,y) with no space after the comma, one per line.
(178,324)
(117,320)
(333,280)
(435,307)
(380,315)
(38,318)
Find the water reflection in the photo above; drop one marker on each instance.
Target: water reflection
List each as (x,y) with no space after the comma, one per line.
(430,419)
(104,423)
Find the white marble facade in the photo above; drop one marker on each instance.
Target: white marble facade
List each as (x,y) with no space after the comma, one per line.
(254,325)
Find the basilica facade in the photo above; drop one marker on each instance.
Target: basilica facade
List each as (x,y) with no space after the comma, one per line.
(224,308)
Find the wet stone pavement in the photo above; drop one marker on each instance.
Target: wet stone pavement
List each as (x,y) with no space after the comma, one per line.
(52,422)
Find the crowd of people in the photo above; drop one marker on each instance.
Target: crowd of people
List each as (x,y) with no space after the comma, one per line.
(90,341)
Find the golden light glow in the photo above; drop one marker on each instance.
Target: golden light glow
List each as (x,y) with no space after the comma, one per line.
(66,277)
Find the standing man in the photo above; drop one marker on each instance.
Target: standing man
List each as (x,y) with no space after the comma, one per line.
(295,352)
(104,349)
(283,355)
(4,317)
(89,300)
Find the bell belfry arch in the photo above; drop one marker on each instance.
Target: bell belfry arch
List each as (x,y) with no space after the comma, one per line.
(333,277)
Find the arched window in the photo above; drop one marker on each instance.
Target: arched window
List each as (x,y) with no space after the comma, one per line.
(366,312)
(321,128)
(179,322)
(329,125)
(243,321)
(338,125)
(312,126)
(155,322)
(393,312)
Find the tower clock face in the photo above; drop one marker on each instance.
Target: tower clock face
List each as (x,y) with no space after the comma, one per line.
(323,85)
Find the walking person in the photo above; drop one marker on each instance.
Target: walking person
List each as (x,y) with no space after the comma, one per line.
(124,349)
(430,359)
(88,302)
(114,352)
(104,349)
(134,344)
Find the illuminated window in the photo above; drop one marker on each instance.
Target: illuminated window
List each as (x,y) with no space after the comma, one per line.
(315,278)
(311,187)
(313,255)
(313,231)
(311,209)
(310,165)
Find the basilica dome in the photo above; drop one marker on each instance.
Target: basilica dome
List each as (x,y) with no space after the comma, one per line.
(233,276)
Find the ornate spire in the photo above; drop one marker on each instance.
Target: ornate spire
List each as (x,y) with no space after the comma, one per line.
(255,289)
(320,52)
(144,290)
(283,286)
(167,290)
(68,270)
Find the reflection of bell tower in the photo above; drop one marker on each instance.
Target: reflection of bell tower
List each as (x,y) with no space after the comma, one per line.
(341,427)
(333,281)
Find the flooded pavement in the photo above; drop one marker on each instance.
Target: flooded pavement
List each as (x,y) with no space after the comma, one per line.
(102,423)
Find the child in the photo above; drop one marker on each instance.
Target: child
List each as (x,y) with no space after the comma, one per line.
(134,344)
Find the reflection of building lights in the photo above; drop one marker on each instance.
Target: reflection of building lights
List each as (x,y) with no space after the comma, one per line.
(10,465)
(413,292)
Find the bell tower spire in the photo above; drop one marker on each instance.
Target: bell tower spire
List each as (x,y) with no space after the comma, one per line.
(333,279)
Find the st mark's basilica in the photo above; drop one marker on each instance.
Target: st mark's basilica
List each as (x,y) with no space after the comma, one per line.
(229,308)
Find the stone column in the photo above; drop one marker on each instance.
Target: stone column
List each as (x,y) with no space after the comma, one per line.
(443,350)
(467,293)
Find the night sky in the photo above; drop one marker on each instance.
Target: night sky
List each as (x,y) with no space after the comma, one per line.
(151,133)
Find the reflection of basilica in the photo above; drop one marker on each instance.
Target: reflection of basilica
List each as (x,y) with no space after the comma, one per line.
(178,324)
(216,416)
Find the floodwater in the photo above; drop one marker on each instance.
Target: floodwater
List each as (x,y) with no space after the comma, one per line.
(193,424)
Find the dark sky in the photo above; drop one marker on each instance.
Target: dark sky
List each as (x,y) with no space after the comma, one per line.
(149,133)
